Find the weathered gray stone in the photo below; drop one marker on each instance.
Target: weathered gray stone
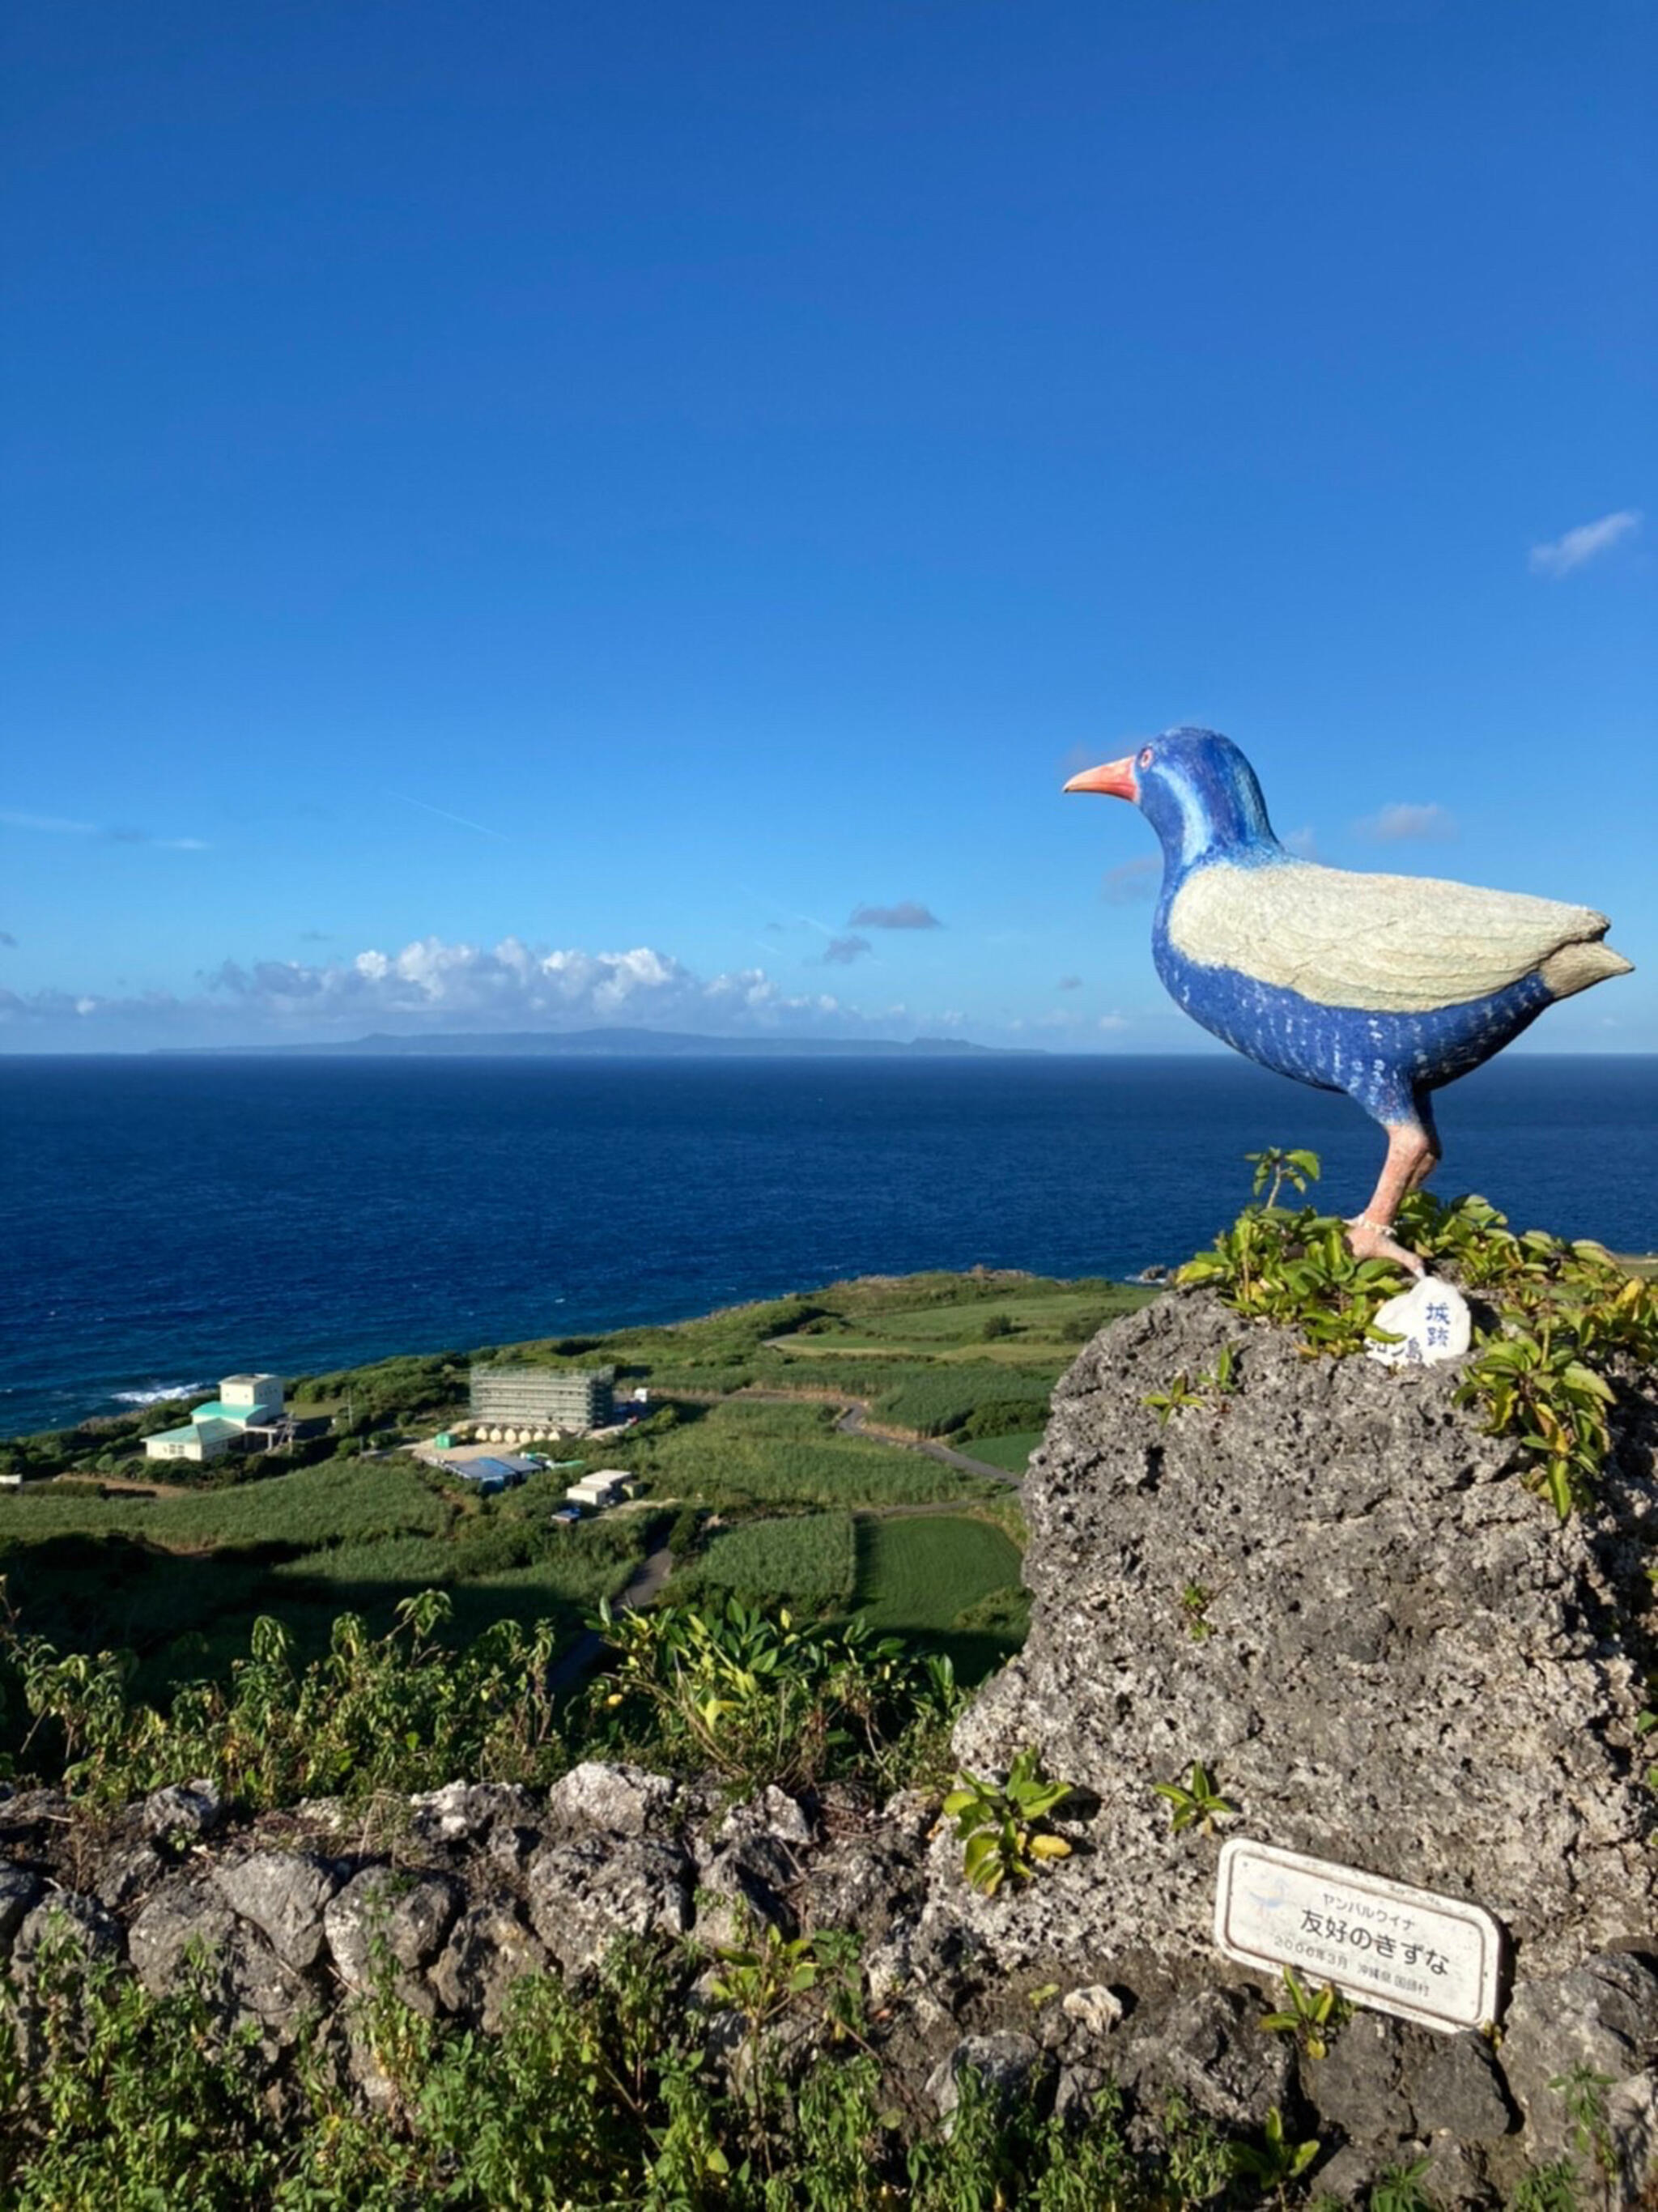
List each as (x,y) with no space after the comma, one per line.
(378,1907)
(66,1927)
(191,1808)
(1004,2063)
(1458,2091)
(283,1894)
(1379,1589)
(1632,2126)
(1206,2043)
(127,1874)
(1096,2008)
(465,1812)
(27,1816)
(20,1892)
(1358,2086)
(584,1894)
(1602,2017)
(489,1949)
(746,1884)
(774,1813)
(184,1920)
(1451,2177)
(608,1799)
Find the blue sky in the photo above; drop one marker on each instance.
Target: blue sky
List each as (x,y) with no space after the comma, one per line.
(544,516)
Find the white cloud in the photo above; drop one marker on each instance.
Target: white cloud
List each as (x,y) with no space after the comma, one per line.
(433,985)
(1401,822)
(1561,555)
(1302,843)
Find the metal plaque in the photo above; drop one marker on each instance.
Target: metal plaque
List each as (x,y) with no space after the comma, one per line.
(1429,1959)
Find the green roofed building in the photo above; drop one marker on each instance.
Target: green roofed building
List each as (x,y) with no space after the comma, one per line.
(248,1409)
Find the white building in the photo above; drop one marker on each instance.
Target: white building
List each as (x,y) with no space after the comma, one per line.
(246,1406)
(602,1488)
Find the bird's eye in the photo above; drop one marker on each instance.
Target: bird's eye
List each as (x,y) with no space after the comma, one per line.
(1147,756)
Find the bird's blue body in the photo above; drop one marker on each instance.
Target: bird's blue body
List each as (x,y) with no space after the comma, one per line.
(1384,987)
(1386,1062)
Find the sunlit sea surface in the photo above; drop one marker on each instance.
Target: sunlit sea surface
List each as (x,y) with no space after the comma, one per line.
(165,1221)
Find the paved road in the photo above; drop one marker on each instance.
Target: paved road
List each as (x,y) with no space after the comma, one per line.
(578,1659)
(854,1423)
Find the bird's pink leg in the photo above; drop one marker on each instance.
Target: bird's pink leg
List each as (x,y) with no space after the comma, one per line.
(1411,1155)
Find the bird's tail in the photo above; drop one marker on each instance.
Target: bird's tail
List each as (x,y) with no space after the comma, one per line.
(1575,967)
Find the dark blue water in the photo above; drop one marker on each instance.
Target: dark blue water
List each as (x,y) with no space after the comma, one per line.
(165,1221)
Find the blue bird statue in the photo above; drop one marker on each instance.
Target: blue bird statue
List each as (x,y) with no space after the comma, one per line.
(1385,986)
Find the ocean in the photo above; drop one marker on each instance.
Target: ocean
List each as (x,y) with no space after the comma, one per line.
(168,1220)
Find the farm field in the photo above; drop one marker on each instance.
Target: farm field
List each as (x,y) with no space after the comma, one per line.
(949,1581)
(741,1457)
(1010,1452)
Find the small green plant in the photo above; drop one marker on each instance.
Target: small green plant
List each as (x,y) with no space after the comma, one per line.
(1165,1404)
(1197,1802)
(1195,1602)
(1002,1824)
(761,1699)
(1274,2164)
(1532,1384)
(1399,2188)
(1583,2089)
(1297,1267)
(1564,1313)
(1310,2013)
(1218,1382)
(1551,2188)
(1274,1168)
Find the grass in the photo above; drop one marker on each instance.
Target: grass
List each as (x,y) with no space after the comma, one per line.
(176,1580)
(745,1453)
(1010,1452)
(803,1561)
(946,1580)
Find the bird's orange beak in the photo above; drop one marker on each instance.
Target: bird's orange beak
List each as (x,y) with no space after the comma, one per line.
(1115,779)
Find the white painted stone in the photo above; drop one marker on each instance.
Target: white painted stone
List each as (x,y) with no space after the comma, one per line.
(1431,1321)
(1409,1951)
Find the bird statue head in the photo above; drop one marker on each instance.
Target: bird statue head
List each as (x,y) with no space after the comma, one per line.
(1197,790)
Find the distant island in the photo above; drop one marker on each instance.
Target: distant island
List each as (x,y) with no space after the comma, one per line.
(614,1044)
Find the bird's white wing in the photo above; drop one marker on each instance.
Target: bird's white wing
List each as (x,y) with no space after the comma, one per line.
(1400,944)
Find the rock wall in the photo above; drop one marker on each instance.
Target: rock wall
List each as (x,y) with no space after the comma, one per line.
(1328,1587)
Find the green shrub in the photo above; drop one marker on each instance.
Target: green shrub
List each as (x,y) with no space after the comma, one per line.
(398,1712)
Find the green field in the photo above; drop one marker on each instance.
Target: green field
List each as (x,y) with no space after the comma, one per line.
(746,1452)
(178,1579)
(800,1508)
(946,1580)
(1010,1452)
(806,1561)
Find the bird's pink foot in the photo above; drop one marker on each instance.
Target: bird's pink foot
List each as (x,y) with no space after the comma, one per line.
(1369,1240)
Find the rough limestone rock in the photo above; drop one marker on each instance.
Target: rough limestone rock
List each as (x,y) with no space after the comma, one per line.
(1331,1588)
(283,1894)
(613,1800)
(379,1916)
(1602,2017)
(19,1893)
(586,1893)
